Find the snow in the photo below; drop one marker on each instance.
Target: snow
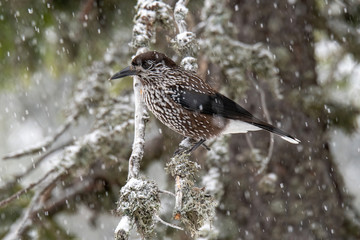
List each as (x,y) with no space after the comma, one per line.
(93,137)
(124,225)
(133,183)
(211,180)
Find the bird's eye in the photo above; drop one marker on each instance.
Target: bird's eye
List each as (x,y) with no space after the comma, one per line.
(146,65)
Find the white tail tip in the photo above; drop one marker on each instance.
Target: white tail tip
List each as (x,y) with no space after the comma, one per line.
(291,139)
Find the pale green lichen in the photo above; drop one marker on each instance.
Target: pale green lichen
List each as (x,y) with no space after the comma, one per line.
(139,200)
(197,207)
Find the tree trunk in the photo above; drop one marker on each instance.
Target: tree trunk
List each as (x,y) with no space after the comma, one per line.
(308,200)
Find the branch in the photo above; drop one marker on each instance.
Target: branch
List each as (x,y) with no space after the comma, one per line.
(268,118)
(82,187)
(19,227)
(41,158)
(141,117)
(148,13)
(193,207)
(34,164)
(185,42)
(25,190)
(167,192)
(168,224)
(42,147)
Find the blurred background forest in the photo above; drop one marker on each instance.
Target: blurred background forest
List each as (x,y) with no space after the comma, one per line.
(67,131)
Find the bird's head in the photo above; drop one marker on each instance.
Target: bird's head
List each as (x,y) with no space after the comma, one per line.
(146,64)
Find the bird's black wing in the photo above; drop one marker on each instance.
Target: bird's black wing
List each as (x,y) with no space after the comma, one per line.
(212,104)
(218,104)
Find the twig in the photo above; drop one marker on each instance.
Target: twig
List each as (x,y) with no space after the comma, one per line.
(249,142)
(178,196)
(168,224)
(35,163)
(271,145)
(41,147)
(167,192)
(41,158)
(180,12)
(22,223)
(83,186)
(25,190)
(268,118)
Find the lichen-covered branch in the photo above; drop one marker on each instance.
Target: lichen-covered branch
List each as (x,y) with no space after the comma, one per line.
(148,14)
(141,116)
(139,201)
(185,42)
(193,206)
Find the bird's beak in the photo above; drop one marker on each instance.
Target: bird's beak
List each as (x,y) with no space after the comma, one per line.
(128,71)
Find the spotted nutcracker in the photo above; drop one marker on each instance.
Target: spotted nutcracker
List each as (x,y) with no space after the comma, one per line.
(187,104)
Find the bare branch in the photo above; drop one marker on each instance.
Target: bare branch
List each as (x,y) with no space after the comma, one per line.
(35,163)
(83,186)
(249,142)
(167,192)
(168,224)
(18,228)
(42,147)
(266,161)
(41,158)
(25,190)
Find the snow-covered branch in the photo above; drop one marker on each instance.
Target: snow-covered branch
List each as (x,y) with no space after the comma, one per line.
(185,42)
(141,117)
(131,205)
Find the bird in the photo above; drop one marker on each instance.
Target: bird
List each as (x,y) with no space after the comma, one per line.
(187,104)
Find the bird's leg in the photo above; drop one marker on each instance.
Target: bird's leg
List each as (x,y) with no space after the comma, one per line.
(196,145)
(206,147)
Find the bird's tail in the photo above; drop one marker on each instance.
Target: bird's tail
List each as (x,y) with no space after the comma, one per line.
(277,131)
